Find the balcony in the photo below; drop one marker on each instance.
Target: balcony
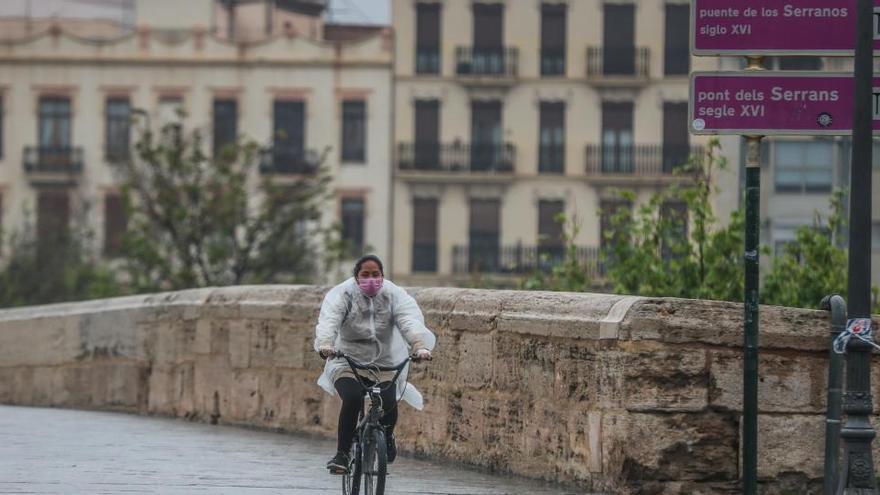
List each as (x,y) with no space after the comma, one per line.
(487,66)
(456,161)
(618,66)
(286,161)
(637,163)
(53,164)
(518,259)
(424,257)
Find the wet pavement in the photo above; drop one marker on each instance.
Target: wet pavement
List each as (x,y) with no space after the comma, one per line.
(85,452)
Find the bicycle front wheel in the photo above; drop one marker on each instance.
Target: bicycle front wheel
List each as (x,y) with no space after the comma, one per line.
(375,463)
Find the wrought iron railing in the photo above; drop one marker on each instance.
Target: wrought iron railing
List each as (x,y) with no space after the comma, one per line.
(520,259)
(495,62)
(289,160)
(618,61)
(53,159)
(640,160)
(456,157)
(551,158)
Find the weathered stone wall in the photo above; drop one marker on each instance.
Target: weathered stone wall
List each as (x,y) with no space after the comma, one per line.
(615,394)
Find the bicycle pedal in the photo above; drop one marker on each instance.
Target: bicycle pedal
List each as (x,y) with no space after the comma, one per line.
(338,471)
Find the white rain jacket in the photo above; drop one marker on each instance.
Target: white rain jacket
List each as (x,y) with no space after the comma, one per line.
(382,330)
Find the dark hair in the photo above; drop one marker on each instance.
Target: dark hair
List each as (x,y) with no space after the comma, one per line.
(366,258)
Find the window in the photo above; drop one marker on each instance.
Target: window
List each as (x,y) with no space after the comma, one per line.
(288,132)
(118,116)
(53,217)
(427,134)
(54,131)
(427,38)
(353,224)
(354,131)
(552,137)
(619,51)
(424,251)
(617,137)
(676,147)
(803,166)
(170,110)
(550,242)
(488,36)
(115,223)
(676,51)
(553,34)
(484,235)
(486,148)
(225,124)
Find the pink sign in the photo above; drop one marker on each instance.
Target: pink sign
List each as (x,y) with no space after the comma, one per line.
(776,27)
(803,103)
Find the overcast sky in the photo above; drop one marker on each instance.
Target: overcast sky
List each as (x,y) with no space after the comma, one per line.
(354,11)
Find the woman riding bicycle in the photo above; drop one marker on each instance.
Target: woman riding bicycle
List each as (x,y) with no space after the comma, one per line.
(374,322)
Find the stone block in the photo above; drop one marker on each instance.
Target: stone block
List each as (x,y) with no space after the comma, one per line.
(575,316)
(788,383)
(660,378)
(522,363)
(670,447)
(791,443)
(239,344)
(476,360)
(245,399)
(40,341)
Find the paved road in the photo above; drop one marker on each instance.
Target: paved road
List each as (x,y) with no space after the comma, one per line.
(83,452)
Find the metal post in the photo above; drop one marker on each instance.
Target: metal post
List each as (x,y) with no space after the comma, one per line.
(837,306)
(750,340)
(857,476)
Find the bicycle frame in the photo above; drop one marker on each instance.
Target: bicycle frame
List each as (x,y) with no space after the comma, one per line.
(369,432)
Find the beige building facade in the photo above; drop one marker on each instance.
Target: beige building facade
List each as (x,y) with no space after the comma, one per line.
(510,112)
(66,101)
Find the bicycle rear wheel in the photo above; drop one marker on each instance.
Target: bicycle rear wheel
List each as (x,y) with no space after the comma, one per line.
(375,463)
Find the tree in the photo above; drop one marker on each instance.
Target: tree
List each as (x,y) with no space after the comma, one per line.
(653,253)
(63,268)
(196,220)
(812,266)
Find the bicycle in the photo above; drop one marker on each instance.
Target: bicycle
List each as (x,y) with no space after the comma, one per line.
(369,456)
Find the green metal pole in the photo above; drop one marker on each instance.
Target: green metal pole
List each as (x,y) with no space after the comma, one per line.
(750,337)
(837,306)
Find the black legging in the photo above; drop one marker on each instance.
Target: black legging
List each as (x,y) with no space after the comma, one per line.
(352,394)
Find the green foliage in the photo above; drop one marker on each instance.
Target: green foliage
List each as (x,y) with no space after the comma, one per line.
(57,270)
(571,275)
(674,255)
(812,266)
(195,220)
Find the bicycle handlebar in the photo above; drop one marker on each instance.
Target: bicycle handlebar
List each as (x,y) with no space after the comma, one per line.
(356,365)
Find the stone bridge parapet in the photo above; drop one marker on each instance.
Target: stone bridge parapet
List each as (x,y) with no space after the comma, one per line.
(610,393)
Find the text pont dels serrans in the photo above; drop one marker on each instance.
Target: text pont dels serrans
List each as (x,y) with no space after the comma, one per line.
(777,93)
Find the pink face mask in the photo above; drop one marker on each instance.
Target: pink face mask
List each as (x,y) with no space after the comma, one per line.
(370,286)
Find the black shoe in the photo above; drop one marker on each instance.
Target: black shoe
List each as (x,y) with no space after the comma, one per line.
(339,463)
(391,448)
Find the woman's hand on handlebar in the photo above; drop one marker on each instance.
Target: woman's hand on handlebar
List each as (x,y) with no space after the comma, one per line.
(327,351)
(422,355)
